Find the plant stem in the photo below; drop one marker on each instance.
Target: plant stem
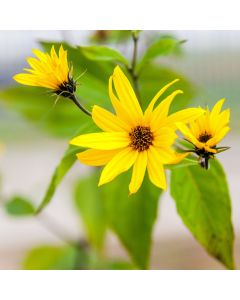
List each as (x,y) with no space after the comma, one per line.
(132,68)
(75,101)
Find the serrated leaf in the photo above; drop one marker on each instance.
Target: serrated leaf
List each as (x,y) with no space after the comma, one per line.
(90,207)
(103,53)
(19,206)
(203,202)
(132,217)
(162,47)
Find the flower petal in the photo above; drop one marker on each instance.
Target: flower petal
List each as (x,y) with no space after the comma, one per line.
(155,169)
(108,121)
(185,116)
(102,140)
(150,107)
(139,169)
(120,163)
(161,111)
(93,157)
(187,133)
(121,112)
(218,137)
(126,94)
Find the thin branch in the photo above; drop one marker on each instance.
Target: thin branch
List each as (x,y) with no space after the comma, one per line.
(132,68)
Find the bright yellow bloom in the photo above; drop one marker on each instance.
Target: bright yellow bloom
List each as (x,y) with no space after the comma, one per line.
(207,131)
(133,138)
(48,70)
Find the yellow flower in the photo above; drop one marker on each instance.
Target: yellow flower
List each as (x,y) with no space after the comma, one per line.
(133,138)
(50,71)
(207,131)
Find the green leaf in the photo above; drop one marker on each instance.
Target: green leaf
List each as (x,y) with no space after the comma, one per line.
(155,77)
(132,217)
(103,53)
(61,170)
(203,202)
(19,206)
(51,258)
(90,207)
(111,36)
(162,47)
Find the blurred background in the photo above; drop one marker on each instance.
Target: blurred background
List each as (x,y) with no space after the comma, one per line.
(209,59)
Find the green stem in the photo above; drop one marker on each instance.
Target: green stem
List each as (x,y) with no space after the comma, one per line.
(80,106)
(132,68)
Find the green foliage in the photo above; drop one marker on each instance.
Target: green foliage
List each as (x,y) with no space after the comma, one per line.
(132,217)
(61,170)
(155,77)
(90,207)
(19,207)
(161,47)
(110,36)
(51,258)
(103,53)
(203,202)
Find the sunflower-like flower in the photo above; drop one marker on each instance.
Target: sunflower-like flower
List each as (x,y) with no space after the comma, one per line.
(50,71)
(133,138)
(207,131)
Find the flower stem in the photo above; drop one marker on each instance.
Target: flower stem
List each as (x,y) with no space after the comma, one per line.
(132,68)
(82,108)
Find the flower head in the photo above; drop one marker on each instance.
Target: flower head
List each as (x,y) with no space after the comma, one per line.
(133,138)
(207,131)
(50,71)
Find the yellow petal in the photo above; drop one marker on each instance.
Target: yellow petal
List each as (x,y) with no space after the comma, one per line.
(155,169)
(107,121)
(126,94)
(149,110)
(102,140)
(187,133)
(185,116)
(161,111)
(139,169)
(120,163)
(121,112)
(164,137)
(178,158)
(218,137)
(217,108)
(92,157)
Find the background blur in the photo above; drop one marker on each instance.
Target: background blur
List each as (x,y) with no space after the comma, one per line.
(210,60)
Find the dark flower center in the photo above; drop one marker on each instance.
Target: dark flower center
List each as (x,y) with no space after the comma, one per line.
(67,88)
(203,138)
(141,138)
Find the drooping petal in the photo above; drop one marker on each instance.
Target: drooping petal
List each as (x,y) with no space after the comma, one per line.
(126,94)
(155,169)
(178,157)
(139,169)
(93,157)
(120,163)
(102,140)
(107,121)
